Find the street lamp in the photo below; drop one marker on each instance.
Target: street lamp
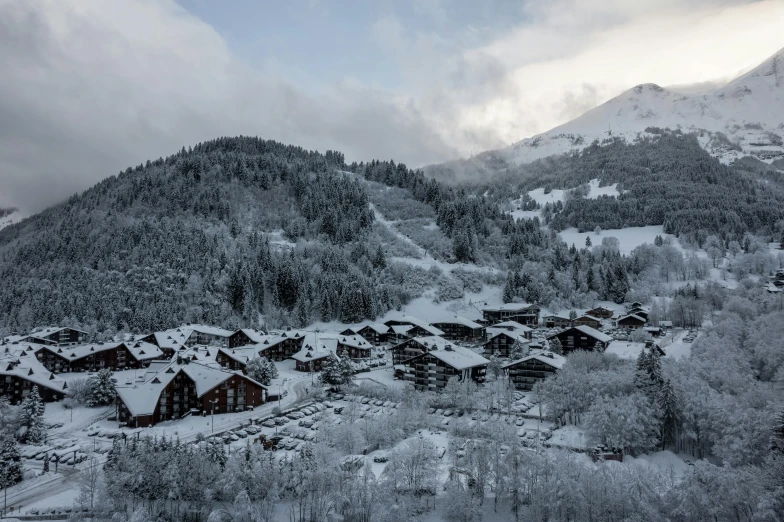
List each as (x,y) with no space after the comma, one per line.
(213,401)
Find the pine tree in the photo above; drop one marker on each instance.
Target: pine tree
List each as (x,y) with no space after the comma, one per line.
(670,411)
(518,351)
(11,470)
(32,418)
(102,390)
(588,241)
(555,346)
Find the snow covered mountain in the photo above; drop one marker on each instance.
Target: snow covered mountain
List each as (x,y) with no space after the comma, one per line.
(744,117)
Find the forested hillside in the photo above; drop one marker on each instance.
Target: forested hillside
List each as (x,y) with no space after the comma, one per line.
(667,180)
(204,235)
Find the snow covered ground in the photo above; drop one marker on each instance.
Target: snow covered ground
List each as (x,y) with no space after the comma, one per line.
(628,238)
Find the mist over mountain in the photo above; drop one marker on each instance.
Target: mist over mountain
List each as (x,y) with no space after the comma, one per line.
(744,117)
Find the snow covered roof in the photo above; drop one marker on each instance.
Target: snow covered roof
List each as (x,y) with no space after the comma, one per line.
(309,353)
(209,330)
(625,349)
(241,354)
(510,326)
(596,334)
(141,399)
(354,341)
(13,339)
(30,369)
(44,332)
(459,358)
(558,315)
(548,358)
(633,316)
(462,321)
(254,335)
(434,342)
(377,327)
(418,322)
(74,353)
(172,339)
(142,351)
(401,328)
(516,336)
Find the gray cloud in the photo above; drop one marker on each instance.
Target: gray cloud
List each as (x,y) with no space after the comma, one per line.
(90,87)
(89,90)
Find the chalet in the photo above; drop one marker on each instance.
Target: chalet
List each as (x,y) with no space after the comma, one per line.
(418,328)
(461,329)
(311,359)
(587,320)
(235,359)
(376,333)
(169,341)
(630,350)
(417,346)
(600,312)
(503,343)
(245,337)
(354,347)
(630,322)
(581,338)
(185,386)
(20,374)
(524,373)
(655,331)
(432,370)
(281,346)
(206,335)
(558,320)
(636,305)
(60,336)
(98,356)
(509,326)
(523,313)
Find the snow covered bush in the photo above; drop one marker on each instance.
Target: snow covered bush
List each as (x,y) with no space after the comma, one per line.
(262,370)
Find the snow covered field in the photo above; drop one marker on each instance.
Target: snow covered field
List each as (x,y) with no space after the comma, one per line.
(628,238)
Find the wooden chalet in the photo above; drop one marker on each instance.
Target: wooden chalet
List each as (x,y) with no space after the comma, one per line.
(524,373)
(98,356)
(503,343)
(169,341)
(354,347)
(432,370)
(600,312)
(581,338)
(235,359)
(185,386)
(206,335)
(375,333)
(310,359)
(587,320)
(509,326)
(461,329)
(523,313)
(418,328)
(60,336)
(20,374)
(631,322)
(414,347)
(559,320)
(281,346)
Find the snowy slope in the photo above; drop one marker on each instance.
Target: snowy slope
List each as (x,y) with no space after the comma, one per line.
(9,219)
(749,111)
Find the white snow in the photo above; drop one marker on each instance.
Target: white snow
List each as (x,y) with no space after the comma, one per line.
(628,238)
(14,217)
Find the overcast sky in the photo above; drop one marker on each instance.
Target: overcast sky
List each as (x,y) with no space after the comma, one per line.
(89,87)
